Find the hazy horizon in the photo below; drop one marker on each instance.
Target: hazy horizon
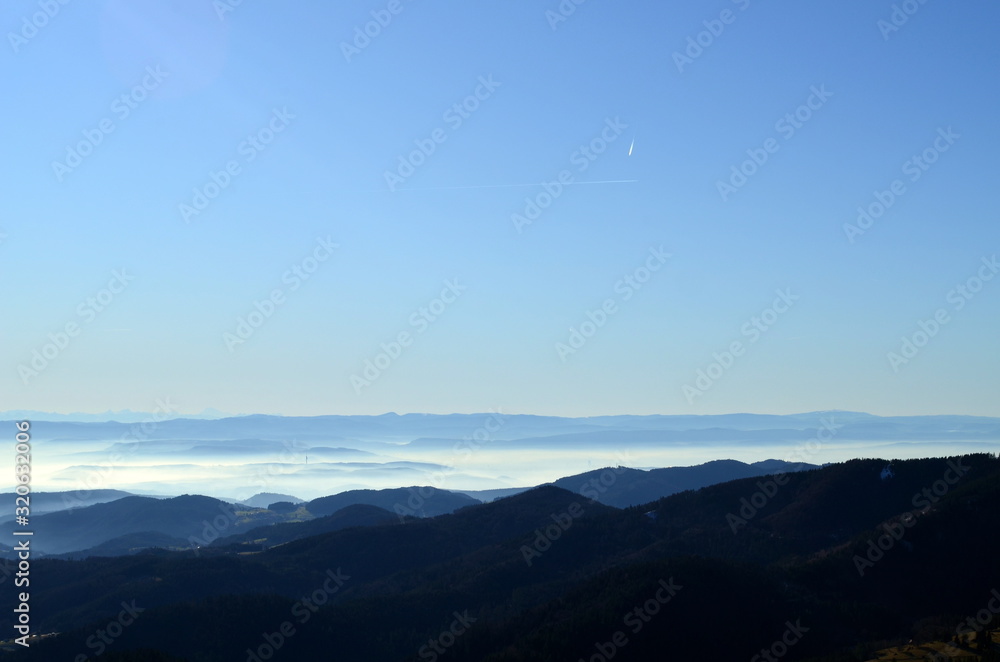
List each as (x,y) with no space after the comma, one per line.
(316,456)
(211,412)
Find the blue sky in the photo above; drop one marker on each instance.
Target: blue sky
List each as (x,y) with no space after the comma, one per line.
(328,127)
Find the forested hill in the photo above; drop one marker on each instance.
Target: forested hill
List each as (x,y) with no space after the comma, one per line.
(838,561)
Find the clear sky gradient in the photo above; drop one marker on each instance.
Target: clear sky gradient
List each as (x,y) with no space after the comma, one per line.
(312,127)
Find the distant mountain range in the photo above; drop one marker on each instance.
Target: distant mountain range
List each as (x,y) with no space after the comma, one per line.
(437,429)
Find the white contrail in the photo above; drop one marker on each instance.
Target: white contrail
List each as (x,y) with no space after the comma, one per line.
(445,188)
(631,146)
